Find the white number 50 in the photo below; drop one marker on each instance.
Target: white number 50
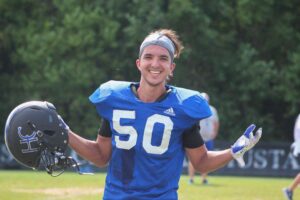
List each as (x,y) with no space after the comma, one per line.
(148,133)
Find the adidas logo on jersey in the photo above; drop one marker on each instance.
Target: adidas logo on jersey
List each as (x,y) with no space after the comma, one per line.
(170,111)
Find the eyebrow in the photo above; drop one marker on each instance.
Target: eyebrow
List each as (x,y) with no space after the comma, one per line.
(161,56)
(164,56)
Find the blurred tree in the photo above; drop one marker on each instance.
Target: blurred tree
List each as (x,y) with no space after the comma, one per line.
(245,54)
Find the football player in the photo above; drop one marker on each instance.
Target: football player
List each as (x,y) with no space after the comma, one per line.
(288,191)
(148,126)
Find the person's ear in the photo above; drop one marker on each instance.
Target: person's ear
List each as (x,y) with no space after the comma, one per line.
(173,66)
(137,63)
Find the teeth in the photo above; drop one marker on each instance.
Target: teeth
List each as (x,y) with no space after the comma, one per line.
(154,72)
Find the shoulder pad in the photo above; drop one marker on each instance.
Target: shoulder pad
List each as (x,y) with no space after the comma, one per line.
(193,104)
(106,89)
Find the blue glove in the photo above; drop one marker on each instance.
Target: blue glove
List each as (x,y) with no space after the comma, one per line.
(244,143)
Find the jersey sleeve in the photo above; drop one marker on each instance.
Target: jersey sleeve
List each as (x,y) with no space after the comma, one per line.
(193,104)
(191,137)
(102,92)
(107,96)
(104,129)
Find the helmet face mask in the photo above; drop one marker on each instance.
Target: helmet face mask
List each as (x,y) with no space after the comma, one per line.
(33,131)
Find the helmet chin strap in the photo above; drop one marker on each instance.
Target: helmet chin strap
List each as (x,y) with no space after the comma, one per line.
(54,161)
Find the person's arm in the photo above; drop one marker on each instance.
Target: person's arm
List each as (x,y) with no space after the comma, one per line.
(206,161)
(202,160)
(98,152)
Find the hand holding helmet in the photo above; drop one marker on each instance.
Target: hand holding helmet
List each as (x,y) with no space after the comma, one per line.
(63,124)
(37,136)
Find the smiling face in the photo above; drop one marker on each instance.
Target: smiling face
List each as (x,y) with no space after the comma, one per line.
(155,65)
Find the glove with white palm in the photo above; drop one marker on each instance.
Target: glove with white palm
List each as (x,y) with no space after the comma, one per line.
(245,143)
(296,144)
(296,148)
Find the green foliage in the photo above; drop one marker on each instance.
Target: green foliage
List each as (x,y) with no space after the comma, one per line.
(245,54)
(289,88)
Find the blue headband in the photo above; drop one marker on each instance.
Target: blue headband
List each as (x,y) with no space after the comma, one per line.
(160,40)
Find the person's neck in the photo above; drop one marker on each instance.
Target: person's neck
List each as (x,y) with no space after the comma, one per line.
(148,93)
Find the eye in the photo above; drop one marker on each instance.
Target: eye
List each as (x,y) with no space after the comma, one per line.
(164,58)
(147,57)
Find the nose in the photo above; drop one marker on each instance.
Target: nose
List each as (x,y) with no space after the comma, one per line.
(155,62)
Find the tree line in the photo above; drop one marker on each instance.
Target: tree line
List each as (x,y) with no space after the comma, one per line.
(244,54)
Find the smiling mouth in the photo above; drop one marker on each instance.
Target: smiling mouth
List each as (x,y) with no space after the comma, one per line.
(154,72)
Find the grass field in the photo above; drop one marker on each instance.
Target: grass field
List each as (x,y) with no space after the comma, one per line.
(32,185)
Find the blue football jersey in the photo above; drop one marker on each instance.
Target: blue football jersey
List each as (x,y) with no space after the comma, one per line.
(147,147)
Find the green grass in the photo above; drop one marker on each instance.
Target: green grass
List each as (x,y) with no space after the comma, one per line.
(32,185)
(235,188)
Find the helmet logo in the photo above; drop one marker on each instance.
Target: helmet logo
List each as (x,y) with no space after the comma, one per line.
(27,139)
